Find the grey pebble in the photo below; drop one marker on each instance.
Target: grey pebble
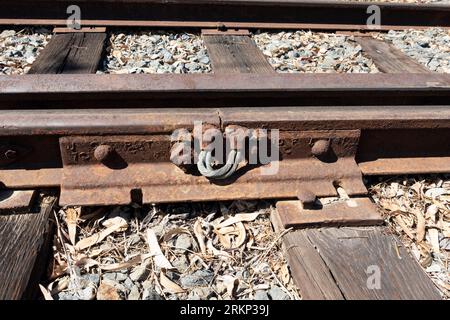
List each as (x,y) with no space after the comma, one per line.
(204,59)
(434,267)
(197,279)
(200,293)
(445,244)
(242,274)
(181,263)
(115,276)
(261,295)
(276,293)
(90,278)
(110,276)
(168,57)
(128,283)
(65,296)
(147,284)
(158,229)
(121,276)
(192,66)
(151,294)
(116,285)
(86,293)
(134,293)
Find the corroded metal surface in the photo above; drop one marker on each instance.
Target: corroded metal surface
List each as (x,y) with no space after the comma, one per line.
(393,140)
(219,83)
(27,179)
(332,128)
(352,212)
(164,182)
(223,13)
(153,121)
(141,164)
(404,151)
(221,90)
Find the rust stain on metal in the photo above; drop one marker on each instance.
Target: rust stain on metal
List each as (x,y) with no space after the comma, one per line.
(320,148)
(142,162)
(306,196)
(353,212)
(228,32)
(164,182)
(84,150)
(103,152)
(83,30)
(102,157)
(410,165)
(221,90)
(225,13)
(23,178)
(226,25)
(9,153)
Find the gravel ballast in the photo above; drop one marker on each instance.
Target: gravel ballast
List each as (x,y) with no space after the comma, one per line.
(305,51)
(178,52)
(19,49)
(156,52)
(429,47)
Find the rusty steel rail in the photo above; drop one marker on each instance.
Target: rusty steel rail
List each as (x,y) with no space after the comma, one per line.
(273,14)
(165,120)
(106,139)
(56,148)
(221,90)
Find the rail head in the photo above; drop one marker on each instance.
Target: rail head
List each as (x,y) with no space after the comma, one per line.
(221,90)
(60,122)
(327,14)
(93,83)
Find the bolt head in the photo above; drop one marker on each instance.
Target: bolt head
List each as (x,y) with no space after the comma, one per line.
(102,152)
(320,147)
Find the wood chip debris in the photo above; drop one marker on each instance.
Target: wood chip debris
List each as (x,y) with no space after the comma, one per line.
(418,209)
(212,251)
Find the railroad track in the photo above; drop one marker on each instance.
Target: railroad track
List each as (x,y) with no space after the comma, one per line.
(269,14)
(109,139)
